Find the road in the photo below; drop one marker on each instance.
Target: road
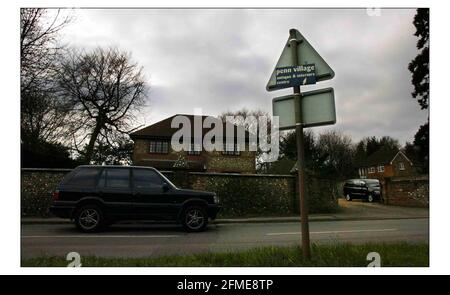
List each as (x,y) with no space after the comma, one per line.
(138,240)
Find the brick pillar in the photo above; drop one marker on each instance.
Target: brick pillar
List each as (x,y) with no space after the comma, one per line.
(385,189)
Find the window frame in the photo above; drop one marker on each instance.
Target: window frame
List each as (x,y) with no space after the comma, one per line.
(401,166)
(160,145)
(105,184)
(380,168)
(75,173)
(133,183)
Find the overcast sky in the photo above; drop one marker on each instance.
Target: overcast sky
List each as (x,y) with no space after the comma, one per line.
(221,60)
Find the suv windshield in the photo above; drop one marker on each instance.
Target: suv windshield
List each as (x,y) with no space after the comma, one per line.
(166,179)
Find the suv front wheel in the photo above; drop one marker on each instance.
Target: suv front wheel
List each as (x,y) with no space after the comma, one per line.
(89,218)
(194,219)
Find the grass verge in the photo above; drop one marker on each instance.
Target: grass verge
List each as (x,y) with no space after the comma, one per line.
(396,254)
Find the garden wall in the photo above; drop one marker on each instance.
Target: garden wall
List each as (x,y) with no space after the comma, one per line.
(240,194)
(412,191)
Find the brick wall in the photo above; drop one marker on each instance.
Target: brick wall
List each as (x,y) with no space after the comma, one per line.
(412,191)
(214,161)
(409,169)
(141,153)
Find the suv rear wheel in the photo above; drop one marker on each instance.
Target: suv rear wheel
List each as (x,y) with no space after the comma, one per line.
(89,218)
(348,197)
(194,219)
(370,198)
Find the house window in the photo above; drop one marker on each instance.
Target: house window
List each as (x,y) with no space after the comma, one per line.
(159,147)
(231,150)
(192,150)
(372,170)
(381,168)
(401,166)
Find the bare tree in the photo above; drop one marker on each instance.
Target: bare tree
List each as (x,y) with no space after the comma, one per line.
(239,118)
(106,89)
(39,44)
(42,113)
(117,150)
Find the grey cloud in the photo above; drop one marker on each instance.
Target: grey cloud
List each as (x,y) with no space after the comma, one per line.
(221,60)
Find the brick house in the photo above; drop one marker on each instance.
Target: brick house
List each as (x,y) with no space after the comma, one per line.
(385,163)
(152,148)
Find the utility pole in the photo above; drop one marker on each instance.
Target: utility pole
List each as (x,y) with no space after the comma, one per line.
(293,42)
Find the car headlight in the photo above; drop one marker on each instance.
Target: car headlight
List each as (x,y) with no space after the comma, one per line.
(216,199)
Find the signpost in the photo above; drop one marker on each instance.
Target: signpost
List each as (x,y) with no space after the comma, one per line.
(318,108)
(295,76)
(300,64)
(307,55)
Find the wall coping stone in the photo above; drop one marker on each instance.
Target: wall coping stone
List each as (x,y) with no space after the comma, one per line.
(242,175)
(55,170)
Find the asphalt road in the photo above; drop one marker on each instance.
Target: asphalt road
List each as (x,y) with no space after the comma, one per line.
(127,240)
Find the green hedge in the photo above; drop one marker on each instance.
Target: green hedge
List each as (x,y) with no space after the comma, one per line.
(240,195)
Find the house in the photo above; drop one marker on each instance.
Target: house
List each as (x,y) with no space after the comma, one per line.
(152,148)
(387,163)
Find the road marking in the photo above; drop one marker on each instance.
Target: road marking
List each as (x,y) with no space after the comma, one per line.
(335,232)
(102,236)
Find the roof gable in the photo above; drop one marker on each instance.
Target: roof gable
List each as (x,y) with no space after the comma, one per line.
(164,129)
(381,157)
(400,153)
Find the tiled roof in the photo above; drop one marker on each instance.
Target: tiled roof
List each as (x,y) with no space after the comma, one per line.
(163,128)
(380,157)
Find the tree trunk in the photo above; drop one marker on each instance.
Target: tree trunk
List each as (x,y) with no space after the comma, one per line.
(90,147)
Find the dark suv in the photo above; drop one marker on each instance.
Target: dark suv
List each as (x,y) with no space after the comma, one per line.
(96,196)
(366,189)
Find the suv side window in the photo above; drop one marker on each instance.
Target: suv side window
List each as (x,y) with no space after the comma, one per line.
(146,179)
(115,178)
(85,177)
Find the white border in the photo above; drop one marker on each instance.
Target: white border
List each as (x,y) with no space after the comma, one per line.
(10,172)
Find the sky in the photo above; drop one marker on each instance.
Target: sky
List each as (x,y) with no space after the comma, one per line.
(221,59)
